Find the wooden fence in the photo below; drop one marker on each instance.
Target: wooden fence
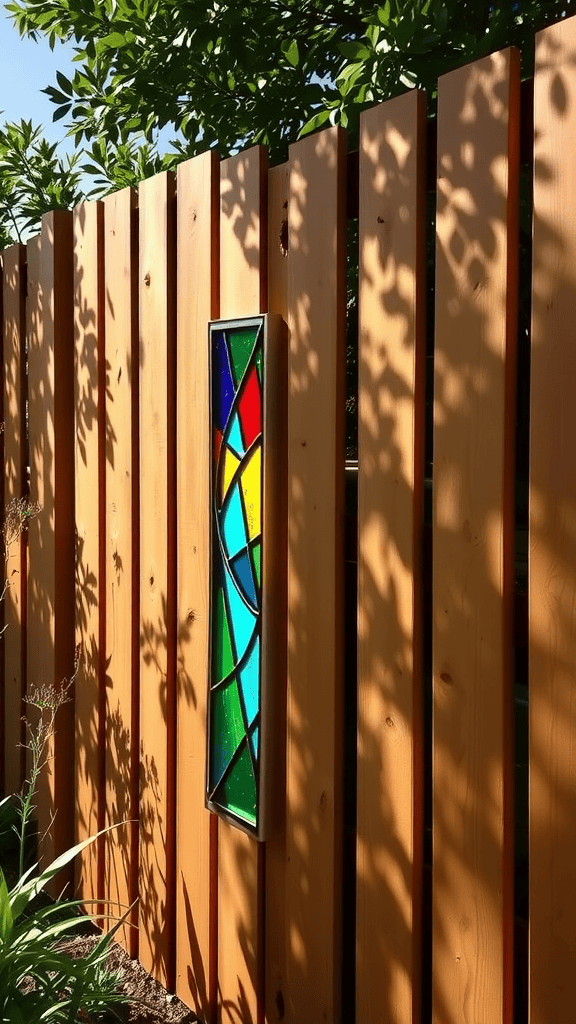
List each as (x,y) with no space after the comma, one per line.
(105,406)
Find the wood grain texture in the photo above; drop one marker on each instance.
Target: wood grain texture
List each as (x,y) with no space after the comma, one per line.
(88,224)
(157,457)
(50,606)
(390,521)
(15,486)
(275,878)
(316,363)
(122,557)
(473,554)
(198,189)
(552,551)
(243,270)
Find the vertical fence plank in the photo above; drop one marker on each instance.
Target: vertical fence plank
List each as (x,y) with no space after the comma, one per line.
(122,557)
(90,611)
(243,273)
(275,881)
(474,381)
(50,605)
(552,542)
(198,190)
(390,519)
(15,486)
(316,365)
(157,505)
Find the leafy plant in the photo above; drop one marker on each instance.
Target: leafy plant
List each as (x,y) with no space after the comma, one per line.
(38,981)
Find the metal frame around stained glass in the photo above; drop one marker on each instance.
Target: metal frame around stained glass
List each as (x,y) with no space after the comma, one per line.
(235,597)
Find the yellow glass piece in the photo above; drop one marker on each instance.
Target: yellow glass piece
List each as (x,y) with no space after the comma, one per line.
(231,464)
(251,487)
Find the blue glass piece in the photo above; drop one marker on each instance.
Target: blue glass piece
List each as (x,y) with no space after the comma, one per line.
(234,436)
(240,618)
(243,572)
(232,525)
(223,385)
(249,677)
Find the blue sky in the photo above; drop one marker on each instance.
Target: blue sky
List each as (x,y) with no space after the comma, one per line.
(25,69)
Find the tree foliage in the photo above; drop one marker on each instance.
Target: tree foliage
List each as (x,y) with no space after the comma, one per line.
(231,73)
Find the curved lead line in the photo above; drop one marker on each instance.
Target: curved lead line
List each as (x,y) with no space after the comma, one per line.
(226,560)
(240,469)
(235,757)
(240,663)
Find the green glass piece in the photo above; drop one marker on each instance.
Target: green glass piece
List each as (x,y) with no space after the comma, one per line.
(223,657)
(241,341)
(256,562)
(239,789)
(227,728)
(259,363)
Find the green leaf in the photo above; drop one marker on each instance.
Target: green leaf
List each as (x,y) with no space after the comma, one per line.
(114,40)
(356,51)
(61,112)
(291,52)
(315,122)
(64,83)
(6,918)
(384,14)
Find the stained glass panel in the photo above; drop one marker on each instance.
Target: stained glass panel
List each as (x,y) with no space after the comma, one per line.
(237,366)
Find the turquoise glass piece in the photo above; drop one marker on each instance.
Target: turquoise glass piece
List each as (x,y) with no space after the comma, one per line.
(241,620)
(254,743)
(234,436)
(232,524)
(249,676)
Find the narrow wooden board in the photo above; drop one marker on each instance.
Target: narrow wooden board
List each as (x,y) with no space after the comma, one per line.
(15,487)
(157,505)
(243,267)
(122,558)
(391,364)
(316,398)
(275,878)
(89,604)
(198,191)
(50,606)
(551,550)
(473,539)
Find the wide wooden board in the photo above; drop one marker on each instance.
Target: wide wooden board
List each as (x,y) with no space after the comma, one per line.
(316,369)
(198,190)
(552,550)
(473,540)
(243,271)
(15,487)
(89,605)
(122,559)
(157,506)
(50,604)
(390,521)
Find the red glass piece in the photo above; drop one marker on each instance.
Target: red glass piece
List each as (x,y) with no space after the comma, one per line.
(217,444)
(250,409)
